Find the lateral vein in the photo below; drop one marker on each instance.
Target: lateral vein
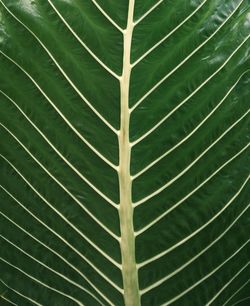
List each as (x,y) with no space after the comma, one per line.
(169,34)
(227,284)
(241,287)
(107,16)
(193,131)
(194,233)
(93,187)
(64,241)
(21,294)
(110,259)
(84,99)
(186,264)
(208,275)
(42,283)
(184,61)
(166,185)
(145,228)
(53,177)
(82,43)
(148,12)
(51,269)
(47,247)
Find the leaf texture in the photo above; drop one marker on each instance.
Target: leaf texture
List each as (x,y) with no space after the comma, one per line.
(124,152)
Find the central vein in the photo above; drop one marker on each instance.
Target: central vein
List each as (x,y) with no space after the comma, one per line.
(129,269)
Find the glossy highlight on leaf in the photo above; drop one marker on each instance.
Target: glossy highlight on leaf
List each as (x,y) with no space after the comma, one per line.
(124,160)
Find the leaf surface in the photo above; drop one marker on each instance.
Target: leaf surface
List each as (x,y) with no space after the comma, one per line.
(124,152)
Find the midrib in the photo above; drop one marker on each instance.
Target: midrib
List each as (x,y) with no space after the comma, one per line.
(129,269)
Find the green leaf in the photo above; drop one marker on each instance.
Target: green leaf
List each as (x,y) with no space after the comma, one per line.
(124,152)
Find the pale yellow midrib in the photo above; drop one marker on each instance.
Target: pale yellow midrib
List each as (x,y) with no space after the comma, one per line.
(127,244)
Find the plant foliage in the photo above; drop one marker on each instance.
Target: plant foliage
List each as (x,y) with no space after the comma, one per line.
(124,152)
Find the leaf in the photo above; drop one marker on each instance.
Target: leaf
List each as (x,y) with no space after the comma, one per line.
(124,152)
